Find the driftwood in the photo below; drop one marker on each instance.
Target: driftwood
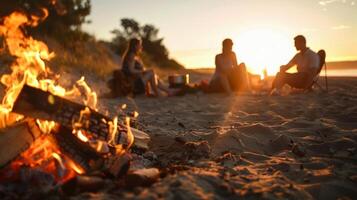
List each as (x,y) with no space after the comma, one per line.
(16,139)
(38,104)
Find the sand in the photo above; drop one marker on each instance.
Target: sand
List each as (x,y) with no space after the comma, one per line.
(300,146)
(214,146)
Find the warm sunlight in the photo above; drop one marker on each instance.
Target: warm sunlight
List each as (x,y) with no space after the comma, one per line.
(264,48)
(224,114)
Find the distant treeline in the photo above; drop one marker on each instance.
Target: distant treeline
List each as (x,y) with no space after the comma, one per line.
(63,24)
(64,19)
(153,46)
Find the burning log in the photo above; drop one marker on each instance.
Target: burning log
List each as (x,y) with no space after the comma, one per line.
(58,155)
(80,152)
(36,103)
(88,158)
(43,105)
(16,139)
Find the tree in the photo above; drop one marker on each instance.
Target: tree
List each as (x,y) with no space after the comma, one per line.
(153,45)
(65,17)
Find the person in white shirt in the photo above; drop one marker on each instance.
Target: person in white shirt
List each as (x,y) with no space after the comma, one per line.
(307,63)
(228,77)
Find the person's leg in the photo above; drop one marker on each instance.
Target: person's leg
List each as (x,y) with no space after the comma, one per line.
(161,86)
(278,83)
(223,79)
(295,80)
(279,80)
(149,77)
(234,79)
(298,80)
(244,80)
(156,84)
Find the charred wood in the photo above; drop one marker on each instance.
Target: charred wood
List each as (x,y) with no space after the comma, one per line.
(117,166)
(38,104)
(78,151)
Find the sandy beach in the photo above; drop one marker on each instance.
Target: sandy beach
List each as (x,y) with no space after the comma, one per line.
(249,146)
(300,146)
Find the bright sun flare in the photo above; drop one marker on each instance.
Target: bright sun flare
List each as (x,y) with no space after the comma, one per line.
(263,49)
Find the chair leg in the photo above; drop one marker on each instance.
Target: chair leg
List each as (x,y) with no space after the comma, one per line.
(320,87)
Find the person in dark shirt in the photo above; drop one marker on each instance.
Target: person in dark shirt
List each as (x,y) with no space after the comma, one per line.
(133,67)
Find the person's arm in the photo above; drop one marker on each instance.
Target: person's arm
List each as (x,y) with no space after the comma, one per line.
(222,75)
(286,67)
(217,62)
(234,59)
(131,63)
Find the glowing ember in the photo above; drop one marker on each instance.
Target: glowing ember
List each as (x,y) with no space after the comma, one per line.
(91,99)
(44,156)
(113,130)
(81,136)
(135,114)
(123,106)
(130,135)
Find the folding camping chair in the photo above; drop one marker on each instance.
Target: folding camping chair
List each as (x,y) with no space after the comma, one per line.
(322,56)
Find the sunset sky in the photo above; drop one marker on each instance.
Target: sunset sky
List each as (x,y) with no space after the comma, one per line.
(262,30)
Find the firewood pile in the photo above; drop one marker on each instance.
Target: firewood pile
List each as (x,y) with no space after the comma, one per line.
(54,140)
(30,156)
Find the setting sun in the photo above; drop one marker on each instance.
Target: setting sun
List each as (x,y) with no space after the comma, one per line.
(263,49)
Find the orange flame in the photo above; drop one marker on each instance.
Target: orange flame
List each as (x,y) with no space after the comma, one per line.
(130,135)
(81,136)
(30,68)
(43,155)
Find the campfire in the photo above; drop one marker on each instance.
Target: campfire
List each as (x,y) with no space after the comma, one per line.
(48,131)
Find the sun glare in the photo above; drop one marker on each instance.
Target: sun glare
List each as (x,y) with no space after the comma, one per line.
(263,49)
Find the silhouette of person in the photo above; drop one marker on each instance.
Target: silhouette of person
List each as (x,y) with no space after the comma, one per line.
(307,62)
(228,76)
(133,67)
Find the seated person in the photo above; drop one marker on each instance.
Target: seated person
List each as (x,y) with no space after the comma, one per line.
(307,62)
(228,77)
(133,67)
